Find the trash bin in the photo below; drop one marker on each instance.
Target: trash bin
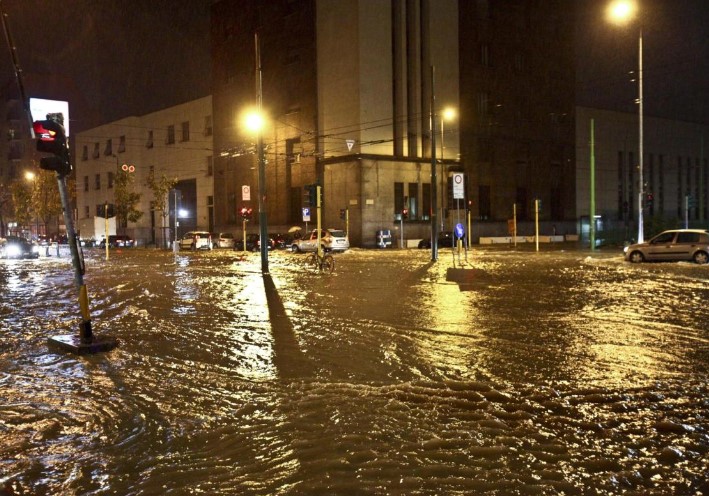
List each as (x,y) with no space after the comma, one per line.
(383,238)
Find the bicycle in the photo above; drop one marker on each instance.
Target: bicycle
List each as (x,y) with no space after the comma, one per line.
(324,263)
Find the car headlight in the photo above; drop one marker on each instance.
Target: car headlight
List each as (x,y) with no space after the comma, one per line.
(625,249)
(13,251)
(35,249)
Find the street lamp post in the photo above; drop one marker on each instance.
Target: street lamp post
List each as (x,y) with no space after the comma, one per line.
(448,114)
(621,12)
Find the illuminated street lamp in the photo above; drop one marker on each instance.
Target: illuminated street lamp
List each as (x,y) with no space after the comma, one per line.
(621,12)
(448,114)
(254,122)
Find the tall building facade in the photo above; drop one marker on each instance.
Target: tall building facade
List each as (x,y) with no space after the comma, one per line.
(355,92)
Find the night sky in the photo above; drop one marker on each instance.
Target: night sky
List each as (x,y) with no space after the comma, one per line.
(675,59)
(127,57)
(132,57)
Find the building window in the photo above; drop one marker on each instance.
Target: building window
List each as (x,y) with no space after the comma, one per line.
(208,125)
(170,135)
(86,183)
(110,180)
(426,201)
(109,148)
(484,202)
(87,211)
(398,198)
(413,201)
(97,182)
(85,153)
(485,55)
(97,151)
(483,103)
(149,143)
(210,166)
(185,131)
(122,144)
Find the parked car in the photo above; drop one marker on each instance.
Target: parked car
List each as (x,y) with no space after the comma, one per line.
(17,247)
(196,240)
(253,243)
(446,239)
(331,240)
(222,240)
(282,240)
(118,241)
(674,245)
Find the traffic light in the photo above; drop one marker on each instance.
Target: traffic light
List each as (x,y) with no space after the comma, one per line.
(102,211)
(343,213)
(246,213)
(405,213)
(309,194)
(649,198)
(51,138)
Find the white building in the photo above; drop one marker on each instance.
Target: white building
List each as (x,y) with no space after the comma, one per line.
(175,142)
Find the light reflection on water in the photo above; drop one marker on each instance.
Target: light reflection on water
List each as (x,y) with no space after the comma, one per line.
(542,374)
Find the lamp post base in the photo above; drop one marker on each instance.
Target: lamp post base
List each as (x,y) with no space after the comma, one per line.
(74,344)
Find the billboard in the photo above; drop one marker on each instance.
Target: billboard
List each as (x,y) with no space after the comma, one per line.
(39,108)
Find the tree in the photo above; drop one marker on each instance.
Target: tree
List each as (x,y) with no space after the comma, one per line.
(46,203)
(160,188)
(6,206)
(126,198)
(21,193)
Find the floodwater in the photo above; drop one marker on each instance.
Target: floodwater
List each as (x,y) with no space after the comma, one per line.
(561,372)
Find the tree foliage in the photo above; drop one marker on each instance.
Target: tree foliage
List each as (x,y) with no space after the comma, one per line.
(160,188)
(126,199)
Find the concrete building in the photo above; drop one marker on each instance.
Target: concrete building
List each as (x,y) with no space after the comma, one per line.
(175,143)
(348,86)
(675,173)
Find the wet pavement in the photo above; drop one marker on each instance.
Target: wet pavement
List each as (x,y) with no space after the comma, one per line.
(560,372)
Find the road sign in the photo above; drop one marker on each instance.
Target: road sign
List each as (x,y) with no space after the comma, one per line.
(245,193)
(306,214)
(458,186)
(350,144)
(459,230)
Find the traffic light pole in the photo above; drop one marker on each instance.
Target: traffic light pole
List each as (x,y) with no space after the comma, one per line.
(86,342)
(52,139)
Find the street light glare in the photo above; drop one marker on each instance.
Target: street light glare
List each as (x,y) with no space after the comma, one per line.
(449,113)
(254,121)
(621,11)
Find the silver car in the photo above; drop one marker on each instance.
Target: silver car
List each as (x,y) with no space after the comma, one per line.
(331,240)
(678,244)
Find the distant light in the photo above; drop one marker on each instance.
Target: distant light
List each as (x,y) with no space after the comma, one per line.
(29,175)
(449,113)
(621,11)
(183,213)
(254,121)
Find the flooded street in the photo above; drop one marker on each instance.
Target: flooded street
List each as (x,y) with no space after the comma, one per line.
(525,373)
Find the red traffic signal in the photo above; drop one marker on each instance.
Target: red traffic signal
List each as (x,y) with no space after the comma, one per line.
(405,213)
(128,168)
(246,213)
(51,138)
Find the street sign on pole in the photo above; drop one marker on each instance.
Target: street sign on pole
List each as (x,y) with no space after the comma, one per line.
(306,214)
(245,193)
(458,186)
